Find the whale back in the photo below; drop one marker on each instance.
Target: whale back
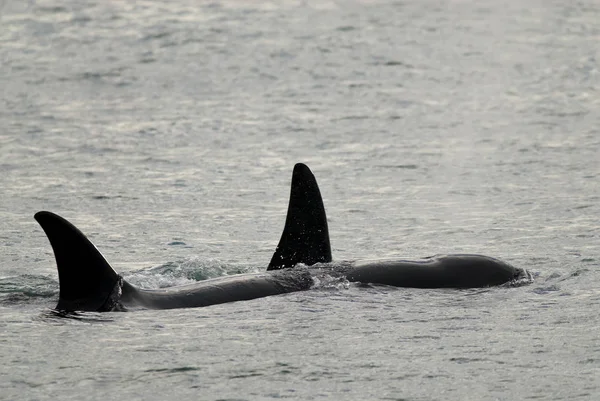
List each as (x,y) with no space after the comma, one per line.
(87,282)
(439,271)
(305,237)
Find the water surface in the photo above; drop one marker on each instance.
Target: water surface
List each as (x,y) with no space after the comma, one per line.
(167,132)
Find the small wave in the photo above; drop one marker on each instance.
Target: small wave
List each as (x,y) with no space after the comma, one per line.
(330,282)
(546,289)
(525,278)
(56,316)
(329,276)
(52,10)
(557,277)
(577,272)
(26,288)
(173,370)
(182,272)
(400,166)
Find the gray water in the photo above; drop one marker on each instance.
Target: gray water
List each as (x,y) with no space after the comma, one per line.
(167,132)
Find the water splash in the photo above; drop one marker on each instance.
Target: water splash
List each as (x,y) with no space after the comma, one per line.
(183,272)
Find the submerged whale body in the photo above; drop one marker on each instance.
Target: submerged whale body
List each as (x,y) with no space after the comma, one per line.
(88,283)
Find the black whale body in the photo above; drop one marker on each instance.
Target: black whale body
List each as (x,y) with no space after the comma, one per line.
(439,271)
(301,238)
(89,283)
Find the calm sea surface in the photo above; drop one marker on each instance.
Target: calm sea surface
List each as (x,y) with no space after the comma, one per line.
(167,132)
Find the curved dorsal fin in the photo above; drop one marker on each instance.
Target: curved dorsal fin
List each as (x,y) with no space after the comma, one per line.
(305,237)
(86,279)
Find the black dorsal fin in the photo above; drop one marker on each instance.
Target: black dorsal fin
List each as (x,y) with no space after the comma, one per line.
(305,237)
(86,279)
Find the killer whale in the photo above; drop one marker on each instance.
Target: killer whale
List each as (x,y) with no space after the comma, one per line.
(439,271)
(87,282)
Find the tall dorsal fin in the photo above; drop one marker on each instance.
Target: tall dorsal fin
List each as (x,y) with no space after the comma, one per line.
(86,279)
(305,237)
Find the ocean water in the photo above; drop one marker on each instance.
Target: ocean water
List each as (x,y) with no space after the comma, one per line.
(167,132)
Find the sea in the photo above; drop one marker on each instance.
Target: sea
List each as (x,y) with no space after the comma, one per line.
(167,132)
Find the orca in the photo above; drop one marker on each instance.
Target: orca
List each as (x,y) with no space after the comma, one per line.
(439,271)
(88,283)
